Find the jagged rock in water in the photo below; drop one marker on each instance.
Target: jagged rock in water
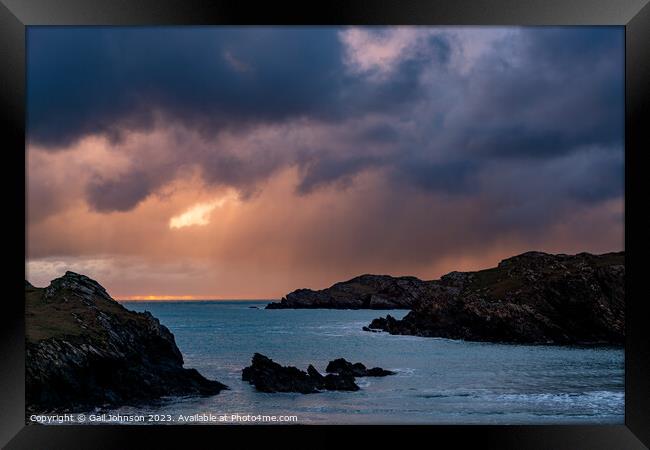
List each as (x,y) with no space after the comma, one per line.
(533,298)
(268,376)
(85,350)
(363,292)
(344,367)
(315,374)
(339,383)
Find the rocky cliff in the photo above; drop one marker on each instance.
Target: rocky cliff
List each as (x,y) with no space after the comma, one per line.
(363,292)
(533,298)
(84,349)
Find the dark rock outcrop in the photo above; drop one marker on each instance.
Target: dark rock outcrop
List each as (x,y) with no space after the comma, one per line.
(268,376)
(363,292)
(532,298)
(343,367)
(85,350)
(333,382)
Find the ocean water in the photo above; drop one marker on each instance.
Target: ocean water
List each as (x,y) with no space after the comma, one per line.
(438,381)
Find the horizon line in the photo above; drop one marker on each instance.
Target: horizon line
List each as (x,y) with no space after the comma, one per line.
(184,298)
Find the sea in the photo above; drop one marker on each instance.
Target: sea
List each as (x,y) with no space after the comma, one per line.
(438,381)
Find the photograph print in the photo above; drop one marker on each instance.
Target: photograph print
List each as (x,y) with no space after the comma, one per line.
(325,225)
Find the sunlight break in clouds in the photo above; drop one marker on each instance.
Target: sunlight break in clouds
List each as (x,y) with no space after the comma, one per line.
(199,214)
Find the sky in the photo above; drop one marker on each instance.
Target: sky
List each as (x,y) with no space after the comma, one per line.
(246,162)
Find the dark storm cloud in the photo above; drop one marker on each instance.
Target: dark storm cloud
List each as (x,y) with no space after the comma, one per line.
(323,172)
(121,194)
(598,179)
(452,177)
(543,97)
(564,91)
(89,80)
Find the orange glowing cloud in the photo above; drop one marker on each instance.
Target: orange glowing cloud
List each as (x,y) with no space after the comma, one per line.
(191,240)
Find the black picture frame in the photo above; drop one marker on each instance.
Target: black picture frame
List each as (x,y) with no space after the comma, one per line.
(634,15)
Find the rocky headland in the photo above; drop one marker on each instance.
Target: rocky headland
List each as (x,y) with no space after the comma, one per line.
(85,350)
(532,298)
(268,376)
(535,297)
(363,292)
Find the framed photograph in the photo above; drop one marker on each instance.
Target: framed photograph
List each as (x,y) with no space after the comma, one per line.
(371,217)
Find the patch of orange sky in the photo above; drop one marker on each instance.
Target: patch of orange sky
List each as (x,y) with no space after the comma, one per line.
(273,241)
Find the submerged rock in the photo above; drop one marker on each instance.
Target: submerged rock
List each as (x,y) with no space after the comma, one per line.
(268,376)
(343,367)
(532,298)
(84,350)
